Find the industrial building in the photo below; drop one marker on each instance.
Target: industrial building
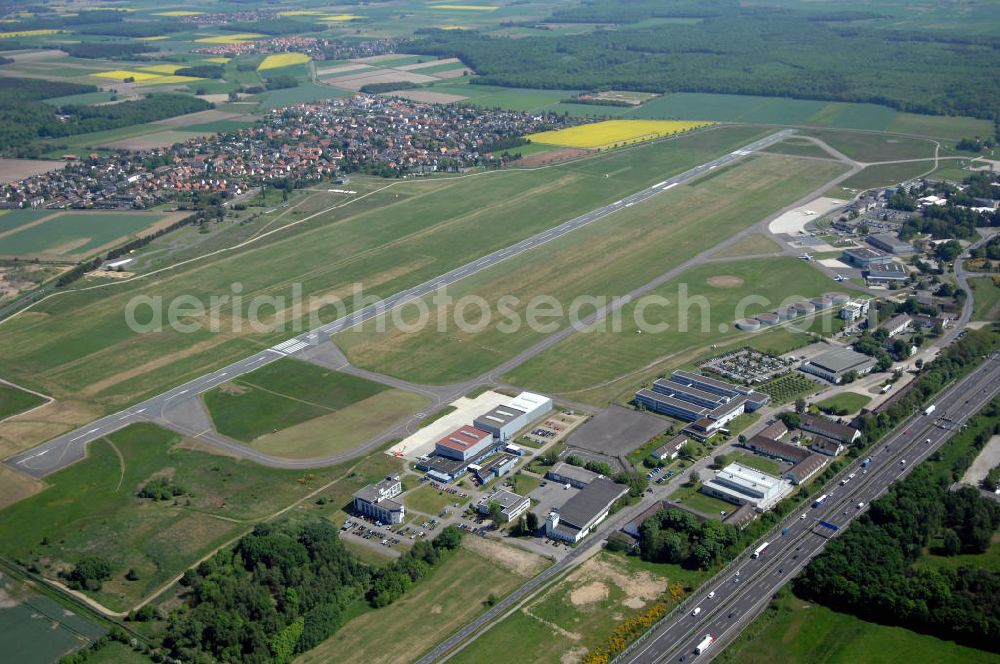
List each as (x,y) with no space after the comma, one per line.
(464,443)
(827,427)
(442,468)
(833,365)
(565,473)
(741,485)
(889,243)
(376,500)
(507,419)
(884,275)
(863,257)
(805,469)
(511,504)
(494,467)
(581,513)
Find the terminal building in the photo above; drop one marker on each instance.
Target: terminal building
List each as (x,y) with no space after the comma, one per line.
(835,364)
(581,513)
(507,419)
(376,500)
(741,485)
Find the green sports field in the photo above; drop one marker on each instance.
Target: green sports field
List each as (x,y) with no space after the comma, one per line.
(618,360)
(79,348)
(607,258)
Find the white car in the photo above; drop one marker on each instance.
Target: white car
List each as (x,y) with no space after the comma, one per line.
(802,517)
(711,595)
(696,611)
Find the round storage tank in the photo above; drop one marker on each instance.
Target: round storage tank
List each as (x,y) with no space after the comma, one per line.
(748,324)
(786,313)
(821,302)
(768,318)
(837,297)
(805,307)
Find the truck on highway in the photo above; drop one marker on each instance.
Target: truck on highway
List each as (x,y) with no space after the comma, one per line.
(819,501)
(929,409)
(759,550)
(705,644)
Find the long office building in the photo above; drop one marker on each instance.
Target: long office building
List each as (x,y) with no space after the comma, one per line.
(754,398)
(707,411)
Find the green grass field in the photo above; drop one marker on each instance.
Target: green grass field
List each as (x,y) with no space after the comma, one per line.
(990,560)
(887,174)
(763,464)
(852,402)
(13,400)
(91,508)
(280,395)
(986,298)
(710,506)
(444,600)
(73,233)
(798,632)
(605,259)
(618,361)
(11,219)
(428,500)
(79,348)
(869,148)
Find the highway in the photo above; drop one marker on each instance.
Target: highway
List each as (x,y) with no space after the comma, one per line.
(70,447)
(744,588)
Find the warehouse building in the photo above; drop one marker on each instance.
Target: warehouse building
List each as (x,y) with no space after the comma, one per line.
(464,444)
(833,365)
(580,514)
(864,257)
(824,426)
(885,275)
(507,419)
(805,469)
(741,485)
(376,500)
(565,473)
(511,504)
(889,244)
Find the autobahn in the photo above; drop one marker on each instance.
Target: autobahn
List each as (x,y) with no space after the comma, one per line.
(743,589)
(70,447)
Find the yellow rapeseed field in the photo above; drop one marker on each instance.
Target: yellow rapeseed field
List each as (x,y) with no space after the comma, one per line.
(229,39)
(163,69)
(282,60)
(339,18)
(27,33)
(122,74)
(613,132)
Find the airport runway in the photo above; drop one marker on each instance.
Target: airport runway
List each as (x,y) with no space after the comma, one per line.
(70,447)
(744,589)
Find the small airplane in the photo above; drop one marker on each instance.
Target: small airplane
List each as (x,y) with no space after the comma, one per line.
(806,257)
(840,277)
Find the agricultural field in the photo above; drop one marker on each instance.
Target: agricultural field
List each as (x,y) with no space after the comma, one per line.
(579,612)
(986,298)
(787,388)
(605,259)
(72,235)
(78,348)
(613,133)
(619,361)
(91,508)
(282,60)
(447,598)
(799,632)
(845,403)
(14,400)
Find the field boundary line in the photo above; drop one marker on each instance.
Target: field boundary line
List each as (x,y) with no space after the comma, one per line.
(48,400)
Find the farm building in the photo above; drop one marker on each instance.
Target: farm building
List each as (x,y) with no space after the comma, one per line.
(507,419)
(511,504)
(581,513)
(835,364)
(741,485)
(376,500)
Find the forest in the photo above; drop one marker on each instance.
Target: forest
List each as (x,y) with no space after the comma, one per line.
(870,570)
(745,50)
(97,50)
(282,590)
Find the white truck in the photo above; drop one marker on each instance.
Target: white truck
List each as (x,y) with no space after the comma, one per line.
(930,409)
(705,644)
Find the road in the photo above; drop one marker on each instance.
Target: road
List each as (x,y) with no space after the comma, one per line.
(743,589)
(70,447)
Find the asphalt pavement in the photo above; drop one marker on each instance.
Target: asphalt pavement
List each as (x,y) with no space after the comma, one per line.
(743,589)
(70,447)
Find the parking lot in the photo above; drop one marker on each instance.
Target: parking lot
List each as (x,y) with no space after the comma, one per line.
(553,429)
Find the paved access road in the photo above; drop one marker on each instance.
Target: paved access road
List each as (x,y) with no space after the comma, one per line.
(743,590)
(71,447)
